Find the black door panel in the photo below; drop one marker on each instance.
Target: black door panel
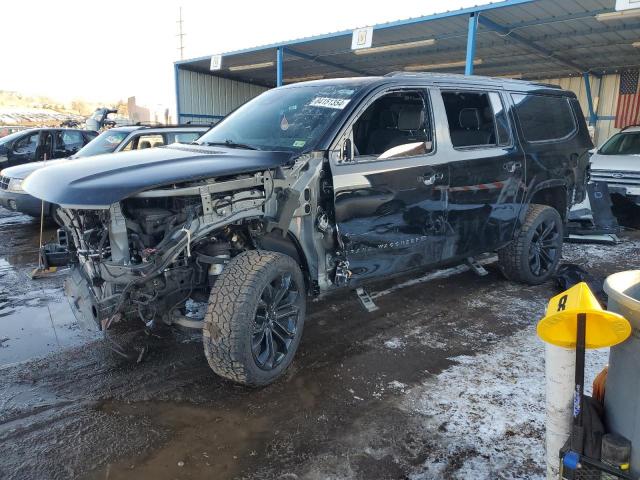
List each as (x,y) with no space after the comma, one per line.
(390,200)
(484,199)
(486,188)
(396,224)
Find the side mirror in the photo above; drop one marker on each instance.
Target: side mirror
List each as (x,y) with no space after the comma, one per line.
(347,151)
(592,151)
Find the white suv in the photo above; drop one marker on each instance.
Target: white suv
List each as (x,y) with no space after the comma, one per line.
(617,162)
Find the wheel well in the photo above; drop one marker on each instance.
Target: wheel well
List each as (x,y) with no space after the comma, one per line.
(287,245)
(555,197)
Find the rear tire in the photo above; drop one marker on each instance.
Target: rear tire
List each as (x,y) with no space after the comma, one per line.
(255,317)
(533,255)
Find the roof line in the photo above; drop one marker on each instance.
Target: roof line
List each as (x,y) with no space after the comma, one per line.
(328,63)
(527,43)
(380,26)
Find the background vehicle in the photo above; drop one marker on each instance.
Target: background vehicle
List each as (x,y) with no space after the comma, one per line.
(35,144)
(617,162)
(114,140)
(317,186)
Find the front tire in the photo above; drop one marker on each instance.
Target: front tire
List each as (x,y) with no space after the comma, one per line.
(255,317)
(533,255)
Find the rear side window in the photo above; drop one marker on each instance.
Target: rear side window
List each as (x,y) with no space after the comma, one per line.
(503,131)
(543,117)
(186,137)
(70,139)
(144,141)
(476,119)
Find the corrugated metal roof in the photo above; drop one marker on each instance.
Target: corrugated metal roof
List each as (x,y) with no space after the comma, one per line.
(531,38)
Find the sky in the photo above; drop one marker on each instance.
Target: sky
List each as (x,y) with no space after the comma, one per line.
(107,51)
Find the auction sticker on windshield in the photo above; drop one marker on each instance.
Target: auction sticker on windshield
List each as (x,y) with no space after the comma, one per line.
(328,102)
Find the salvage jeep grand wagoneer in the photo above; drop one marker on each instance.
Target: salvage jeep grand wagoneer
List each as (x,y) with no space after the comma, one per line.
(317,186)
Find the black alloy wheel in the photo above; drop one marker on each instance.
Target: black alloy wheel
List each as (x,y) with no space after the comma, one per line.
(533,255)
(544,248)
(276,321)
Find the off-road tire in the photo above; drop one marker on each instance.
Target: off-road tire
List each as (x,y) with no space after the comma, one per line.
(514,258)
(231,313)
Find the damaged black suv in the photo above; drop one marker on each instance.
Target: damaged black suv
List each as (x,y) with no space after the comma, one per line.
(313,187)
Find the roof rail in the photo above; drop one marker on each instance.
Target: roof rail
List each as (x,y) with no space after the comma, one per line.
(168,125)
(438,76)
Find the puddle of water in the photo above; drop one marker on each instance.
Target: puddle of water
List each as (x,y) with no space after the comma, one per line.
(20,237)
(30,332)
(35,317)
(8,217)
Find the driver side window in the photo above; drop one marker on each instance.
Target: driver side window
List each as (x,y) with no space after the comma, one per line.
(396,125)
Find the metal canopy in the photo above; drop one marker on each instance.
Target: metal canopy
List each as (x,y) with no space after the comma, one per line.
(522,38)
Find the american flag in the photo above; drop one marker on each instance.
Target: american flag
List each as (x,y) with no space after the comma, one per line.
(628,111)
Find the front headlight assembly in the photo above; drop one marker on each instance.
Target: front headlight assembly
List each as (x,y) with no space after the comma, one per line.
(15,185)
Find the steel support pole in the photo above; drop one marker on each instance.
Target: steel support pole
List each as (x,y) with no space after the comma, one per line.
(471,43)
(279,61)
(593,117)
(176,74)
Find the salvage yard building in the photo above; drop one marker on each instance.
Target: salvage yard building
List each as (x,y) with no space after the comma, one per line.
(586,46)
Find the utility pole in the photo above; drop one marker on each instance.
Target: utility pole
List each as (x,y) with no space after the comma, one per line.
(180,35)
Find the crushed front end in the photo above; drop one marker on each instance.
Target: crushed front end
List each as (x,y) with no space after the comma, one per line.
(143,257)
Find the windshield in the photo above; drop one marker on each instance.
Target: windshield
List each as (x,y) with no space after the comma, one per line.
(622,144)
(290,119)
(12,136)
(106,142)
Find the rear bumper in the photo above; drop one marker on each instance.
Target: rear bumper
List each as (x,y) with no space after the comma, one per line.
(23,203)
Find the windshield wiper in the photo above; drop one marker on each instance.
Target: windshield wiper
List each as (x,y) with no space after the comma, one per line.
(231,144)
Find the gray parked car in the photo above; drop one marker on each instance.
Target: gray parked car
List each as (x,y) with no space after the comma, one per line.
(119,139)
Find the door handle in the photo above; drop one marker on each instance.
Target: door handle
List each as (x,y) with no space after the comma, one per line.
(511,167)
(431,178)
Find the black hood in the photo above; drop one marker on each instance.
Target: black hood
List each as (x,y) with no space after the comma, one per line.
(107,179)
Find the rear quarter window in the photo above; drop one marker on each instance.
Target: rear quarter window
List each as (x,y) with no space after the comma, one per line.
(544,117)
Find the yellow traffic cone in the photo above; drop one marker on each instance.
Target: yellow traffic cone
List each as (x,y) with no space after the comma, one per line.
(559,326)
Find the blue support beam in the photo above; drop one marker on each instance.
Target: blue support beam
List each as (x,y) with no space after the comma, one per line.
(471,43)
(279,66)
(527,43)
(593,117)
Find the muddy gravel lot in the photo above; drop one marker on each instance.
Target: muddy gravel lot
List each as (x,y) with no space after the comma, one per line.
(445,380)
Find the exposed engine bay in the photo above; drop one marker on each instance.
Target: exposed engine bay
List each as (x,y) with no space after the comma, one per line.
(146,255)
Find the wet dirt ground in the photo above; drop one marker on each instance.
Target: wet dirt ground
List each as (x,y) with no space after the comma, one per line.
(70,408)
